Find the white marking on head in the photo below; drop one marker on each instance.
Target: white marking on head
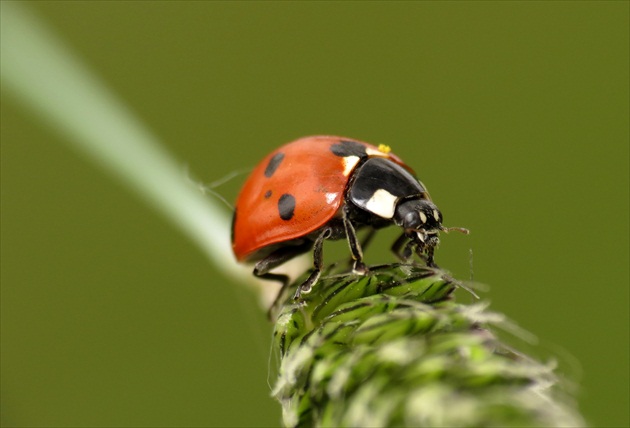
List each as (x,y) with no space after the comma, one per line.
(423,217)
(420,236)
(349,162)
(436,215)
(382,203)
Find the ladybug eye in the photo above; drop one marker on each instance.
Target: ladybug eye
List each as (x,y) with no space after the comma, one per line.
(428,218)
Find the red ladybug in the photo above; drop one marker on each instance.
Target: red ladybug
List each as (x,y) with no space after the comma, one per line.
(325,187)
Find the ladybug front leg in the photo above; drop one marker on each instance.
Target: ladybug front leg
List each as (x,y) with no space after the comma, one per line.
(403,253)
(427,252)
(353,243)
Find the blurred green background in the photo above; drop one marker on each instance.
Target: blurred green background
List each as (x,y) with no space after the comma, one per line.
(514,114)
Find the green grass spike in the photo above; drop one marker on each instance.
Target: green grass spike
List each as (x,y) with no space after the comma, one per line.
(394,349)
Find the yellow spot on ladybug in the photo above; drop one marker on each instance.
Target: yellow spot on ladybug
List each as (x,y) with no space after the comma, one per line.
(384,148)
(423,217)
(383,151)
(436,215)
(349,162)
(382,203)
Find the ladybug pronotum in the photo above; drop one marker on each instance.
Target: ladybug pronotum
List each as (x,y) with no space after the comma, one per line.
(325,187)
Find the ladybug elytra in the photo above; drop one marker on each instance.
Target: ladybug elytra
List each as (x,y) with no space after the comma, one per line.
(326,187)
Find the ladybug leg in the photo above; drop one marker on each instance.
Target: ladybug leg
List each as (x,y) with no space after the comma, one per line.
(430,253)
(403,254)
(427,252)
(367,239)
(355,246)
(318,264)
(275,259)
(408,250)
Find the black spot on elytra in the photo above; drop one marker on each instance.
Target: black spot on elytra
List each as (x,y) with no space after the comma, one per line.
(268,194)
(348,148)
(273,164)
(286,206)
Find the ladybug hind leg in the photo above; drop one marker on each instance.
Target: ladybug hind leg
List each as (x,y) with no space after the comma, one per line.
(277,258)
(273,260)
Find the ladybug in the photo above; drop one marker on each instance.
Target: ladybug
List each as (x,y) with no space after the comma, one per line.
(325,187)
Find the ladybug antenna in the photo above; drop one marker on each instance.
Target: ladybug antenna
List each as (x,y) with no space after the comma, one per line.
(209,188)
(228,177)
(457,229)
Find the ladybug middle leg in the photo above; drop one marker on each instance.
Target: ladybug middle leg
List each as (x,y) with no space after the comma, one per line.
(367,239)
(355,247)
(318,263)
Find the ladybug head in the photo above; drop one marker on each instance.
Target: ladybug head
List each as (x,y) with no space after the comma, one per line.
(422,221)
(420,218)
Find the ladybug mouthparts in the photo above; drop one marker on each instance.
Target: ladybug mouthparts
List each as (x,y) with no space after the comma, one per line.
(424,236)
(422,222)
